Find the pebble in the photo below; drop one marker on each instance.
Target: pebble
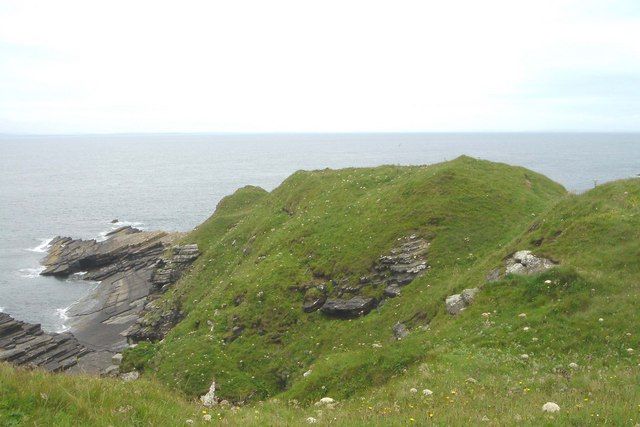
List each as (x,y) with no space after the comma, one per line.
(413,390)
(311,420)
(522,315)
(427,392)
(524,356)
(306,374)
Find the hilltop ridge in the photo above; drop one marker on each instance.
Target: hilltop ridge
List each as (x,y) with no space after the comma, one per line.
(547,285)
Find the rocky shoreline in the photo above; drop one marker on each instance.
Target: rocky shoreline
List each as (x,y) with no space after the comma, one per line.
(133,268)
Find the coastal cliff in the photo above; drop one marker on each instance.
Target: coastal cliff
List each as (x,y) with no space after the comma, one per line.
(132,267)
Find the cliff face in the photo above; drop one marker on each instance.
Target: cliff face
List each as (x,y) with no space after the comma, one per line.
(133,267)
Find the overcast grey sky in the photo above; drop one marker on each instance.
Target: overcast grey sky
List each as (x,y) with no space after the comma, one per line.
(319,66)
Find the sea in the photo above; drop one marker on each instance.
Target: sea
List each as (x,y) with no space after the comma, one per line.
(76,185)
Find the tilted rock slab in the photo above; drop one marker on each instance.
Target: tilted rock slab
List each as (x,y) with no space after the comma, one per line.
(27,344)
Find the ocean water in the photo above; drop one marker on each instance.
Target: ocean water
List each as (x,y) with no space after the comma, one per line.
(76,185)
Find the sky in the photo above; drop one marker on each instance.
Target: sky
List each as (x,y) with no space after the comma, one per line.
(319,66)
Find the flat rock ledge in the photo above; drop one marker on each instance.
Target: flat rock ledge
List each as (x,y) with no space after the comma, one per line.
(26,344)
(132,268)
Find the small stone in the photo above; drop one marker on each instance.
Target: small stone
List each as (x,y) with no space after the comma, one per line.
(573,365)
(130,376)
(116,358)
(311,420)
(524,356)
(427,392)
(601,320)
(306,374)
(206,417)
(413,390)
(547,282)
(526,328)
(550,407)
(376,345)
(325,401)
(522,315)
(629,350)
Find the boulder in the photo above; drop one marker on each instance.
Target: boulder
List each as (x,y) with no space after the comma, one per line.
(348,308)
(524,262)
(468,295)
(455,304)
(209,399)
(458,302)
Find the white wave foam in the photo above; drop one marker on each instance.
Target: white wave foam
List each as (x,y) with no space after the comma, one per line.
(44,246)
(102,236)
(30,273)
(62,314)
(1,309)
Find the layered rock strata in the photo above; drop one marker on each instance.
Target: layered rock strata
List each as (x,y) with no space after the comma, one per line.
(27,344)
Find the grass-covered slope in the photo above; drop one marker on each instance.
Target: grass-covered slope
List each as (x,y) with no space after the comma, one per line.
(327,227)
(577,324)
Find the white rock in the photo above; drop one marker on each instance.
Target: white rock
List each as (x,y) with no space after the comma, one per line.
(629,350)
(413,390)
(524,262)
(427,392)
(526,328)
(206,417)
(209,399)
(601,320)
(522,315)
(547,282)
(550,407)
(311,420)
(325,401)
(524,356)
(573,365)
(306,374)
(116,359)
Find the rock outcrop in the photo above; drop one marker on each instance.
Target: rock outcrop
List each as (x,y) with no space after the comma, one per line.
(28,345)
(524,262)
(132,268)
(458,302)
(348,308)
(390,273)
(155,321)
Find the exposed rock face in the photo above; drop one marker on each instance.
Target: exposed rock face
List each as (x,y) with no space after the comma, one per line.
(169,271)
(524,262)
(354,307)
(26,344)
(131,269)
(458,302)
(391,272)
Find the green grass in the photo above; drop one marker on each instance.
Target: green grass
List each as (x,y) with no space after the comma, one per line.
(259,250)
